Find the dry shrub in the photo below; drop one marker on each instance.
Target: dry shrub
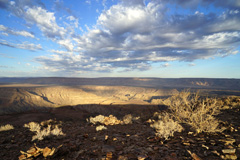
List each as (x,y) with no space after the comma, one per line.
(41,130)
(6,127)
(127,119)
(197,112)
(97,119)
(100,127)
(112,120)
(165,126)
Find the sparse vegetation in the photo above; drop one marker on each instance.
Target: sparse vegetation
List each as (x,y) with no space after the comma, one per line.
(112,120)
(195,111)
(165,126)
(127,119)
(100,127)
(42,130)
(6,127)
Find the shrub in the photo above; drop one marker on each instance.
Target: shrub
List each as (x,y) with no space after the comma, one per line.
(97,119)
(41,132)
(127,119)
(197,112)
(6,127)
(101,127)
(165,127)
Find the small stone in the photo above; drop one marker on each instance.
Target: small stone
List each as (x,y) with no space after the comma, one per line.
(173,154)
(216,152)
(94,139)
(109,155)
(155,148)
(194,156)
(230,156)
(229,151)
(22,157)
(149,149)
(32,150)
(106,137)
(114,139)
(46,151)
(186,143)
(122,158)
(227,135)
(141,157)
(85,135)
(228,141)
(205,146)
(222,156)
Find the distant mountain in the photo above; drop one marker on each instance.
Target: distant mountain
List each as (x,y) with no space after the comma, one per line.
(176,83)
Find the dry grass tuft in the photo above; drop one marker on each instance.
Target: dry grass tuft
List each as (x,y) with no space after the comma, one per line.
(6,127)
(195,111)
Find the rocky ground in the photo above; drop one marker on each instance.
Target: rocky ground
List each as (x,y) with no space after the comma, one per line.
(122,141)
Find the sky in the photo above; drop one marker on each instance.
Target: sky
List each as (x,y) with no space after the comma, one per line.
(120,38)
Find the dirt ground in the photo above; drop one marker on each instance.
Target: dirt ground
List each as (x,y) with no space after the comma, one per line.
(127,141)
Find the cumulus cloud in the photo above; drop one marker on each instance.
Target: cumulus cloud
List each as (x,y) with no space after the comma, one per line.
(71,63)
(11,31)
(132,35)
(46,21)
(34,12)
(231,4)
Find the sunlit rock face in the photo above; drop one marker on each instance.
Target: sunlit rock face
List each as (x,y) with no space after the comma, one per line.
(27,94)
(31,98)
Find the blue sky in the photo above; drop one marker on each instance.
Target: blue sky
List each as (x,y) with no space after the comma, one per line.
(120,38)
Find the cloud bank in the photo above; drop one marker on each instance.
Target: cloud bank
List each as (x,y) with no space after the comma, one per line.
(132,35)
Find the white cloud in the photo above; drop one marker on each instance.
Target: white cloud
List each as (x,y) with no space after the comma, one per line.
(29,46)
(58,51)
(71,18)
(46,21)
(165,65)
(75,20)
(120,19)
(72,63)
(67,43)
(7,31)
(132,35)
(88,2)
(24,45)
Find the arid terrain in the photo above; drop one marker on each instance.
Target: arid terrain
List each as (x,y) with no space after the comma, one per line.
(119,118)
